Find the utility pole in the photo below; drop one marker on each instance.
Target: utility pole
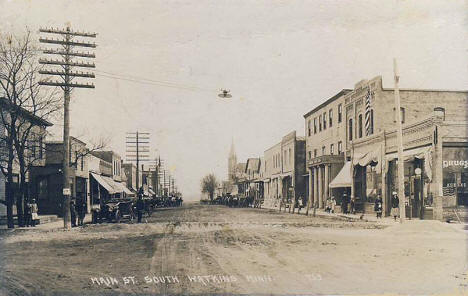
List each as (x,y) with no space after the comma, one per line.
(137,151)
(401,161)
(66,74)
(164,182)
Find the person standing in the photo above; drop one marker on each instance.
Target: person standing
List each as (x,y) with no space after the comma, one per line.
(344,203)
(140,206)
(27,214)
(73,212)
(378,206)
(81,210)
(353,205)
(395,212)
(333,204)
(34,215)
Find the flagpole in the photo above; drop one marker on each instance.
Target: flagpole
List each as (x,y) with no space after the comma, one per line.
(401,162)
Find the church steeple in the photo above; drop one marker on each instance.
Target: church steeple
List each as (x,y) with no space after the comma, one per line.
(232,162)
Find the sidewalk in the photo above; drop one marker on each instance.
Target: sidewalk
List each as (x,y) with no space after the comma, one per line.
(48,225)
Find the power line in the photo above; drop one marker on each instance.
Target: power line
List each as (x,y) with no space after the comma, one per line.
(151,81)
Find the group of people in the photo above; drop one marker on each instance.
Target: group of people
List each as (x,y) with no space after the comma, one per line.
(30,213)
(77,211)
(378,205)
(395,202)
(345,201)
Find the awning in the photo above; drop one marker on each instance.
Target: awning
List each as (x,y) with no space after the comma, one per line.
(124,188)
(100,179)
(366,158)
(343,179)
(115,185)
(408,155)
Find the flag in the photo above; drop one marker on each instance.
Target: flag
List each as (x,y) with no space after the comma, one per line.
(368,113)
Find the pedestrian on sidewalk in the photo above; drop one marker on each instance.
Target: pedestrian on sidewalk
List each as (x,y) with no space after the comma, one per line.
(344,203)
(333,204)
(81,210)
(73,212)
(34,211)
(395,205)
(27,214)
(353,205)
(328,206)
(140,206)
(378,207)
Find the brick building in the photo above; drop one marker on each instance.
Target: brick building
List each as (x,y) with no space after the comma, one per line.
(325,148)
(284,171)
(435,140)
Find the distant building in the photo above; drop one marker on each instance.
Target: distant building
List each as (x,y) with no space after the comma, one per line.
(48,180)
(284,174)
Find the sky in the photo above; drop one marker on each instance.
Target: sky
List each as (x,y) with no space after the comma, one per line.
(161,64)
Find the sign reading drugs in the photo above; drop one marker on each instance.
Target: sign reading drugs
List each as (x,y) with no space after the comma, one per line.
(455,159)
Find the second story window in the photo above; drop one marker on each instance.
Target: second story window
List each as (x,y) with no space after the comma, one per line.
(360,125)
(350,129)
(332,149)
(324,120)
(340,147)
(402,114)
(323,150)
(320,123)
(82,162)
(310,154)
(340,112)
(41,144)
(309,132)
(315,152)
(315,125)
(330,117)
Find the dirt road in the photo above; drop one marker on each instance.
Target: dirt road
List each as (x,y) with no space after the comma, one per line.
(201,249)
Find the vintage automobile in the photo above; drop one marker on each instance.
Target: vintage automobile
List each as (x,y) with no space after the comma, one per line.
(113,210)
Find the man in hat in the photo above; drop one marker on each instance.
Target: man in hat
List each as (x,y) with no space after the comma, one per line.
(344,203)
(140,206)
(395,212)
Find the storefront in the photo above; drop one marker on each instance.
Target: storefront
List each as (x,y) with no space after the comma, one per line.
(455,175)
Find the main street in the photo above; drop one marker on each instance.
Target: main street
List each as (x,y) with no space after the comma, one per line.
(198,249)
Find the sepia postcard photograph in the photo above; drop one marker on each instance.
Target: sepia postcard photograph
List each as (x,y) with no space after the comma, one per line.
(233,147)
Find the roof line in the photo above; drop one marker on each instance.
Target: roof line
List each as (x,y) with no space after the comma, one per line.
(342,92)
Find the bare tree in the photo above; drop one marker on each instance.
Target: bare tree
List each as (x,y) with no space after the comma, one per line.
(25,109)
(209,185)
